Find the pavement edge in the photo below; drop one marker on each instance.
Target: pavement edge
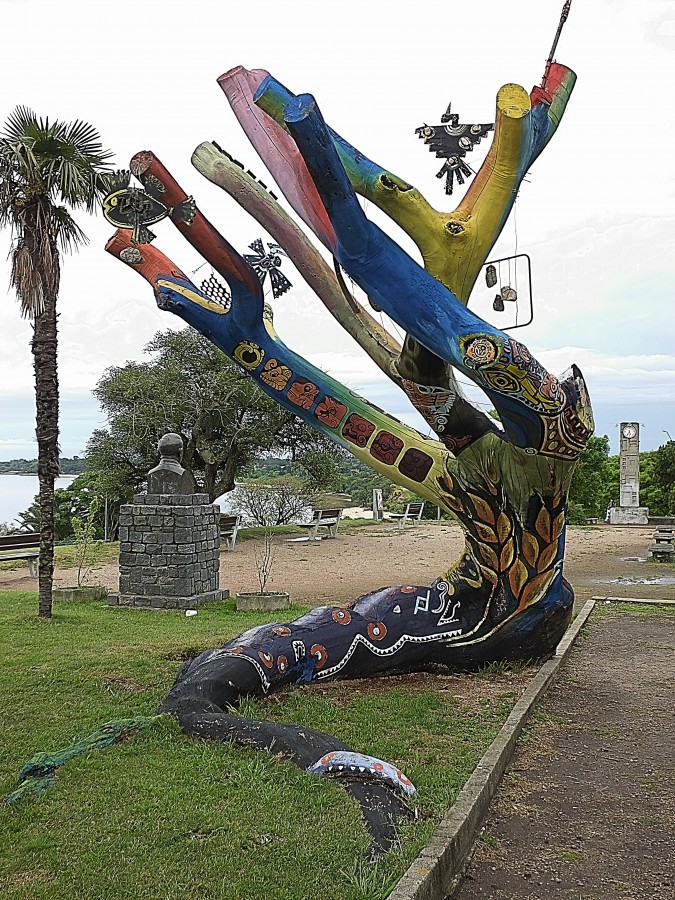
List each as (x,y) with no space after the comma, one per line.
(431,875)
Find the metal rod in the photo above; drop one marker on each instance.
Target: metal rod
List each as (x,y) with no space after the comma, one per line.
(563,18)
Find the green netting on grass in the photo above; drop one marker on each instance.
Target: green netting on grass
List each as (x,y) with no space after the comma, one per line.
(39,773)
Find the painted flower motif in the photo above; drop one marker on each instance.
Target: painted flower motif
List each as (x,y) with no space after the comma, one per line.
(248,354)
(357,430)
(415,464)
(132,256)
(342,616)
(386,447)
(281,630)
(376,631)
(402,778)
(330,412)
(480,351)
(282,664)
(327,758)
(408,589)
(266,658)
(321,654)
(302,393)
(275,375)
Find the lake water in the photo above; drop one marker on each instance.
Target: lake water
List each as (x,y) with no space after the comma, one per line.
(17,492)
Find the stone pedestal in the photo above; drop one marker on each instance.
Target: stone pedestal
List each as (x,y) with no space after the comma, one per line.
(629,515)
(169,552)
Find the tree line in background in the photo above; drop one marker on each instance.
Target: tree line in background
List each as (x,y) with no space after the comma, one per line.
(67,466)
(231,430)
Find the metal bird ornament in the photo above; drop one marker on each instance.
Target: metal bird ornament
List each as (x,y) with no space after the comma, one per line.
(132,208)
(453,141)
(270,262)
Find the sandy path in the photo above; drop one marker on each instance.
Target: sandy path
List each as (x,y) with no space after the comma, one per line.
(363,559)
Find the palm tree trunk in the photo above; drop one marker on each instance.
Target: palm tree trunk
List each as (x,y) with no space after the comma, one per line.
(47,432)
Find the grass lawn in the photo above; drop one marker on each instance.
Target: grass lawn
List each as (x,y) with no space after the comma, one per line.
(164,816)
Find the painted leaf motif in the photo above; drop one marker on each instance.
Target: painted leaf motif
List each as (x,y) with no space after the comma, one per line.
(535,588)
(547,557)
(489,575)
(558,523)
(517,577)
(488,555)
(484,532)
(455,503)
(530,548)
(543,524)
(503,527)
(483,509)
(507,554)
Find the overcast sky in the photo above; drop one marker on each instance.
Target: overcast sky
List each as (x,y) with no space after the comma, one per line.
(597,214)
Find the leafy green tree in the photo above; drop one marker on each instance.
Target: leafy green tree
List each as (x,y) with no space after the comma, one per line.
(664,478)
(46,170)
(190,387)
(590,490)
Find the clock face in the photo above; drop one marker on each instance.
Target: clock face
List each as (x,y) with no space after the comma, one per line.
(629,431)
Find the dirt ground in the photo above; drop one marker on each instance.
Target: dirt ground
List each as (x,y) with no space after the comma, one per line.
(586,809)
(604,560)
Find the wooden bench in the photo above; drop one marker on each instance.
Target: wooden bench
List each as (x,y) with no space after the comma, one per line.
(321,518)
(413,512)
(21,546)
(663,548)
(229,526)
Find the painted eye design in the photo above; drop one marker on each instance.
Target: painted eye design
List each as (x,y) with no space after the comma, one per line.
(248,354)
(376,631)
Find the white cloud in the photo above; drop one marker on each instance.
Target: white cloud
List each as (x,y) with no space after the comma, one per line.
(596,213)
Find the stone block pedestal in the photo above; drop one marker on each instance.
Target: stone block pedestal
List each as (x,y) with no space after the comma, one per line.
(169,552)
(629,515)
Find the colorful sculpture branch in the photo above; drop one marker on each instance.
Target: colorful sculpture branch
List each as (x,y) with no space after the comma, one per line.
(506,596)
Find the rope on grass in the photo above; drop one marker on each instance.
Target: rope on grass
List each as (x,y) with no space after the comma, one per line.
(39,773)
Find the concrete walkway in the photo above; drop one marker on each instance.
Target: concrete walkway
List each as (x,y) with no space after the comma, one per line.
(587,806)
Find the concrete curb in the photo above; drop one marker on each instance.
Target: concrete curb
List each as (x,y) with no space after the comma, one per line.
(431,875)
(642,600)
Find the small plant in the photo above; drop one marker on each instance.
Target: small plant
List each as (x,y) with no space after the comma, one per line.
(87,549)
(263,557)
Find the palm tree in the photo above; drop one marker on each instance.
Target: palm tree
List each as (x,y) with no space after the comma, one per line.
(46,169)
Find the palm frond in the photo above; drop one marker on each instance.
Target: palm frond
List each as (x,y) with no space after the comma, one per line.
(25,279)
(66,230)
(60,159)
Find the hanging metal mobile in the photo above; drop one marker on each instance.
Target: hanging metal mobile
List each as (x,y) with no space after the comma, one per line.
(269,262)
(453,141)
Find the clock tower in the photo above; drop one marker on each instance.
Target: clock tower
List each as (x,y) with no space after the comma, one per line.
(629,511)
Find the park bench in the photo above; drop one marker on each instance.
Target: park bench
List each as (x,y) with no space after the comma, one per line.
(663,548)
(229,526)
(21,546)
(321,518)
(413,512)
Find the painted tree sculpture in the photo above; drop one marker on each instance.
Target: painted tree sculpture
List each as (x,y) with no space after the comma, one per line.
(506,597)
